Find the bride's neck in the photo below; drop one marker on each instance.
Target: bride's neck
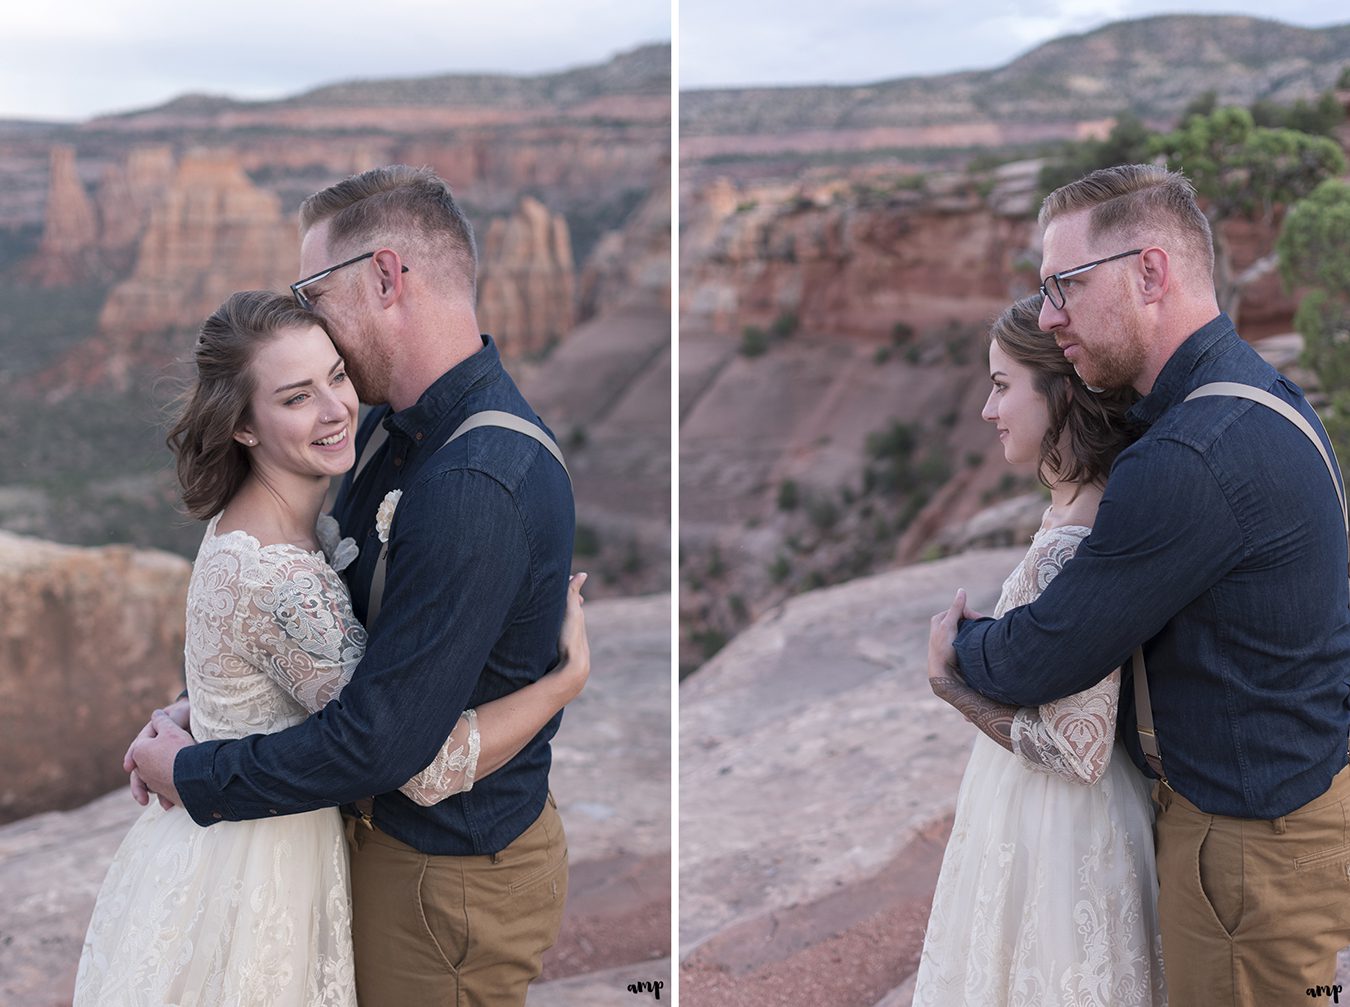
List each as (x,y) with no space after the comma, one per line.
(277,509)
(1074,503)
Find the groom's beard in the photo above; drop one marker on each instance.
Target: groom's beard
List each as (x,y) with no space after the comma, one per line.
(1114,362)
(368,362)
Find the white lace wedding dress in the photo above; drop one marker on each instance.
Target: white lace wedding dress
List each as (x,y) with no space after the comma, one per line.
(257,913)
(1048,893)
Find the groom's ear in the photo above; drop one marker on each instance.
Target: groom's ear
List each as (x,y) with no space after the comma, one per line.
(389,270)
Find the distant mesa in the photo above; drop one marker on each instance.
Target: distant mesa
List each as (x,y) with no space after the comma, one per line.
(1150,66)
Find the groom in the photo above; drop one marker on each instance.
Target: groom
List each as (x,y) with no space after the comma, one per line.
(457,902)
(1220,547)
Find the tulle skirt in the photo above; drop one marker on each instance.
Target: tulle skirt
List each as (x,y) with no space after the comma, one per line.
(242,913)
(1048,891)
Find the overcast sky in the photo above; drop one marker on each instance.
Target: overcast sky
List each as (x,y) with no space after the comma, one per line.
(71,59)
(739,42)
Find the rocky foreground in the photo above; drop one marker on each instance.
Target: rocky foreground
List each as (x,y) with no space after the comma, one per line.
(818,774)
(818,777)
(611,778)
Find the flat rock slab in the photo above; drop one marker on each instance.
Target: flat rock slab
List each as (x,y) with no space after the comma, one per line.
(611,778)
(812,751)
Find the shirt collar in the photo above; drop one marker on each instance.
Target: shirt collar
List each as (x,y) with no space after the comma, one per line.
(1174,380)
(448,391)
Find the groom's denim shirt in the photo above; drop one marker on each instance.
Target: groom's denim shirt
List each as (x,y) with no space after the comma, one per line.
(1220,546)
(479,555)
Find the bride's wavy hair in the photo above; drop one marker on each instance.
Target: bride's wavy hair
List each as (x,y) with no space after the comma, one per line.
(1094,421)
(211,463)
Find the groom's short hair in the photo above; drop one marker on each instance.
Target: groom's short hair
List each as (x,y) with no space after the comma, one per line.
(410,209)
(1142,203)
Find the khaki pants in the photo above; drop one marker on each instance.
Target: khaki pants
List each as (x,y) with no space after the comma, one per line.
(1253,912)
(455,931)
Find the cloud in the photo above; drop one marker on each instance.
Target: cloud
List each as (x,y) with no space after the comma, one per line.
(733,43)
(78,58)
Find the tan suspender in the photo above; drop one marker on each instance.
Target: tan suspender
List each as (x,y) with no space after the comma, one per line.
(1143,709)
(485,418)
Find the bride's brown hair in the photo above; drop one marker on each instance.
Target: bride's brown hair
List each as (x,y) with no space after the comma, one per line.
(211,463)
(1094,421)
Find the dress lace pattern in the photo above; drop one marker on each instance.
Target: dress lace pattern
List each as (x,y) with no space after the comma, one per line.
(1071,737)
(1048,891)
(253,912)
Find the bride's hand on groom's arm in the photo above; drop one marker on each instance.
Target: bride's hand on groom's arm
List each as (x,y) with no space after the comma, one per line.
(944,676)
(151,756)
(180,712)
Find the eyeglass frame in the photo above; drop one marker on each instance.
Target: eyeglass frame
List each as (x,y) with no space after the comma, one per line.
(1064,274)
(297,288)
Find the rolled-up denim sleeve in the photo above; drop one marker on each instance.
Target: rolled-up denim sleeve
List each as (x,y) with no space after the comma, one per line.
(1165,532)
(458,562)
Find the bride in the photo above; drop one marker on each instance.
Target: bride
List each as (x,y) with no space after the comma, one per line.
(258,912)
(1048,892)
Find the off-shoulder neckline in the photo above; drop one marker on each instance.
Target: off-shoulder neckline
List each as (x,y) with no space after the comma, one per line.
(1063,527)
(216,536)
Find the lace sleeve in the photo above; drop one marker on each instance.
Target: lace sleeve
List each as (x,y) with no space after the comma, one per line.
(452,771)
(299,629)
(1070,737)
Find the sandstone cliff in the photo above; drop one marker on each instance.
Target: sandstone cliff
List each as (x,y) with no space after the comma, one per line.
(526,280)
(213,232)
(611,778)
(632,263)
(92,642)
(70,231)
(606,393)
(127,192)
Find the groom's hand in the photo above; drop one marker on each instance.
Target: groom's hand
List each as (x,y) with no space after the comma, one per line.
(152,755)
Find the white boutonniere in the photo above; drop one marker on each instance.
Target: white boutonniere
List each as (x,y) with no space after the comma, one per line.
(340,552)
(384,517)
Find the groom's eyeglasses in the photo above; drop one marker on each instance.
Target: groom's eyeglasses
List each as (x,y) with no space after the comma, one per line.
(298,287)
(1051,289)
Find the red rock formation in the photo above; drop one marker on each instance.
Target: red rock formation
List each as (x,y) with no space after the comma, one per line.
(214,232)
(632,263)
(71,227)
(91,641)
(128,191)
(526,284)
(850,263)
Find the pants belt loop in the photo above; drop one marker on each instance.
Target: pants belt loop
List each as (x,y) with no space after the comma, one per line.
(496,857)
(1278,825)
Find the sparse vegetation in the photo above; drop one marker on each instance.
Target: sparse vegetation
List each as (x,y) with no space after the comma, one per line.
(754,341)
(1314,254)
(586,541)
(784,326)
